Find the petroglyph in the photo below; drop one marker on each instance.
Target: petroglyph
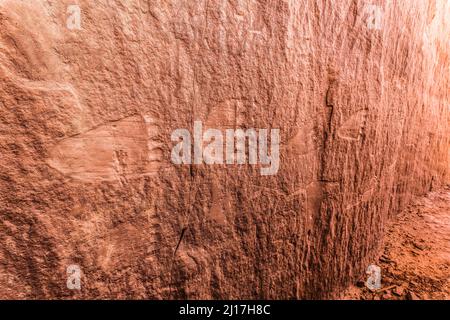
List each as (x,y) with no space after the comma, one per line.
(229,114)
(216,210)
(86,117)
(304,141)
(352,128)
(119,149)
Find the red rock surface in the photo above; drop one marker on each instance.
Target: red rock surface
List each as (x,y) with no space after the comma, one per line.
(86,118)
(415,263)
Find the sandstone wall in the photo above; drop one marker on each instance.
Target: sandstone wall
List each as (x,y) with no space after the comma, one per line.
(86,118)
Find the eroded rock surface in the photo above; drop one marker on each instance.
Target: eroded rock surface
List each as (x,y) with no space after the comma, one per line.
(358,89)
(415,263)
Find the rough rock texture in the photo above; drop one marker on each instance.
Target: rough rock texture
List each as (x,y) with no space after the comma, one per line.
(415,263)
(85,123)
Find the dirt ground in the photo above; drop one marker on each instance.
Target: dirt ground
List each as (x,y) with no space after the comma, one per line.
(415,263)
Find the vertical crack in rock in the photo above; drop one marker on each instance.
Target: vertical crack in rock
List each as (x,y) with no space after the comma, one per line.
(86,117)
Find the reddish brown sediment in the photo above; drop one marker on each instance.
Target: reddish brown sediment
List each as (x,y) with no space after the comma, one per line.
(415,261)
(86,118)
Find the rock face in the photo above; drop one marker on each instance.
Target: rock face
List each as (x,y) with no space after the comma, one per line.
(358,89)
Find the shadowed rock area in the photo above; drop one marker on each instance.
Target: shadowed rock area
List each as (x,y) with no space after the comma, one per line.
(359,92)
(415,263)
